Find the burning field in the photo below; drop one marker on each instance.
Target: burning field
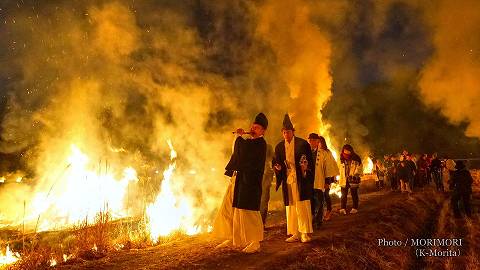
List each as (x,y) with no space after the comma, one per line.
(346,242)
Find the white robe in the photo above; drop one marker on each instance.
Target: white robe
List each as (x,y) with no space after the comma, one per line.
(299,213)
(325,166)
(239,225)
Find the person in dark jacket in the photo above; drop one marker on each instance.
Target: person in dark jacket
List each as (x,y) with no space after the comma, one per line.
(241,221)
(406,175)
(422,170)
(436,171)
(412,167)
(461,186)
(380,170)
(293,168)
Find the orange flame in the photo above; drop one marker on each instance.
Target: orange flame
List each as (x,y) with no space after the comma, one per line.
(170,212)
(368,169)
(81,193)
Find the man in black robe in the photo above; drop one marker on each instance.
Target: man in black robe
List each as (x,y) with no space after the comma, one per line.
(436,171)
(293,167)
(461,186)
(244,224)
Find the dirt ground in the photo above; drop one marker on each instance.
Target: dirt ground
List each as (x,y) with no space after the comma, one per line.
(344,242)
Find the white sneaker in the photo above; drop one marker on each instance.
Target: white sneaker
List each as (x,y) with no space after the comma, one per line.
(223,244)
(252,248)
(291,239)
(305,238)
(353,211)
(343,211)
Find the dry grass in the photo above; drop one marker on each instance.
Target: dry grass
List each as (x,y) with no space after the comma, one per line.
(399,220)
(93,235)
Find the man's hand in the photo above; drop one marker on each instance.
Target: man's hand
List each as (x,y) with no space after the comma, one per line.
(304,166)
(277,167)
(240,131)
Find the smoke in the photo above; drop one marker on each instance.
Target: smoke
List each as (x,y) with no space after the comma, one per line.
(379,52)
(303,56)
(451,79)
(116,81)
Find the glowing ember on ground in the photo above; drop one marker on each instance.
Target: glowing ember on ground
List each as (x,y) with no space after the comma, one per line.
(8,257)
(170,212)
(66,258)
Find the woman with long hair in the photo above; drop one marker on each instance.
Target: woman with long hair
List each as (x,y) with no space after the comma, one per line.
(351,171)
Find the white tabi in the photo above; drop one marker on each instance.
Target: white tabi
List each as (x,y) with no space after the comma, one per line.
(299,213)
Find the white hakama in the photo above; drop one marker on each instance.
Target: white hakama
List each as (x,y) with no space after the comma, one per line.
(223,223)
(247,227)
(299,213)
(239,225)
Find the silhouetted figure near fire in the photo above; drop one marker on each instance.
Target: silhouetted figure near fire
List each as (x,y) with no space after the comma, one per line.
(238,219)
(448,170)
(380,171)
(436,171)
(391,171)
(422,169)
(351,170)
(406,175)
(412,168)
(461,186)
(293,168)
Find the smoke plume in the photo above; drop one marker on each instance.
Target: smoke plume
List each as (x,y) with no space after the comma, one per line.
(451,79)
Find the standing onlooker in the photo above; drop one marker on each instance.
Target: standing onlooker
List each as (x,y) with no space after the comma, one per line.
(461,185)
(422,165)
(351,171)
(449,168)
(380,171)
(325,171)
(436,170)
(412,166)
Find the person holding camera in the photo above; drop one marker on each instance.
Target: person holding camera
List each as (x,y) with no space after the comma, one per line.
(351,170)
